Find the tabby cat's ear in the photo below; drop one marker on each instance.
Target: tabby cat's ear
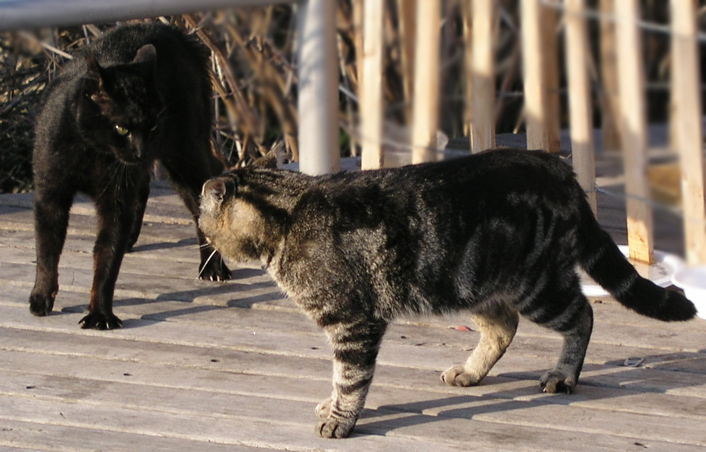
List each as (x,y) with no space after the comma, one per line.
(213,193)
(146,54)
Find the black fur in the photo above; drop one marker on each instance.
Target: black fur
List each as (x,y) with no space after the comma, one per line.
(141,92)
(498,234)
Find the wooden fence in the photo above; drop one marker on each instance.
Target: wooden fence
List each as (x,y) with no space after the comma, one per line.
(621,29)
(621,50)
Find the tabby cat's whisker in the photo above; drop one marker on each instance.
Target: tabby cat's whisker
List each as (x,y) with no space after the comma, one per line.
(205,264)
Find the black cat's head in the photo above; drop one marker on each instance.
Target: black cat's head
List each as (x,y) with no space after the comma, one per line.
(119,106)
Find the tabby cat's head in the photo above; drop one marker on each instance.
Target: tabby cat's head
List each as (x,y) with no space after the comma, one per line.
(233,222)
(119,107)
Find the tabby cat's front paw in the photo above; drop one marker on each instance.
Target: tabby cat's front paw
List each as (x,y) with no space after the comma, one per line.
(555,381)
(40,305)
(335,428)
(457,376)
(99,321)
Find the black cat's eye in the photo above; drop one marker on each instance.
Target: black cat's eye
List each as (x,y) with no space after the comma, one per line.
(122,131)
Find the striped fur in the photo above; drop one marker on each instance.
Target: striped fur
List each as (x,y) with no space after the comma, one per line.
(499,234)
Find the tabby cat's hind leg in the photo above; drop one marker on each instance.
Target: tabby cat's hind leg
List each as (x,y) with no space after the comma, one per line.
(557,303)
(497,329)
(565,375)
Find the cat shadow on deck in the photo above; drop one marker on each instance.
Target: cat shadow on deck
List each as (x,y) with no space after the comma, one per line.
(614,381)
(183,302)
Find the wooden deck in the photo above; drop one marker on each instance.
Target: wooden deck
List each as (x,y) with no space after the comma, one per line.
(236,367)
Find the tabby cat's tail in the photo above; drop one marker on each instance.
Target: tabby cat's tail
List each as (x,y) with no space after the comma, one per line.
(604,262)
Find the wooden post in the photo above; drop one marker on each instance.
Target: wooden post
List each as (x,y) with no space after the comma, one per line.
(318,88)
(483,75)
(408,35)
(633,130)
(548,17)
(533,55)
(371,105)
(686,102)
(610,99)
(580,111)
(426,82)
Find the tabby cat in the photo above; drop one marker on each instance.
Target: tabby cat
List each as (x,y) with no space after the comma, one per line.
(498,234)
(141,92)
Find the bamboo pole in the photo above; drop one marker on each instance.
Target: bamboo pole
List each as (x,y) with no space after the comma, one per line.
(580,111)
(633,130)
(371,104)
(610,99)
(533,56)
(318,88)
(483,75)
(426,82)
(686,117)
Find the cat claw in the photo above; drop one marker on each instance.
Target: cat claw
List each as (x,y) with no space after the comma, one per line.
(555,382)
(215,273)
(100,322)
(323,409)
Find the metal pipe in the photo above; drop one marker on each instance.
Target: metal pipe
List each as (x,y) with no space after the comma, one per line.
(28,14)
(318,88)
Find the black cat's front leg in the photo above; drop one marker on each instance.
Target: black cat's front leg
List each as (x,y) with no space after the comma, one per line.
(211,267)
(51,219)
(355,349)
(140,206)
(114,227)
(188,181)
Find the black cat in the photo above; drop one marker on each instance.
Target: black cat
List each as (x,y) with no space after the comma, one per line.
(141,92)
(495,234)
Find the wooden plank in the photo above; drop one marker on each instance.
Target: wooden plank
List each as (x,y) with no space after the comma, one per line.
(426,82)
(609,96)
(634,130)
(318,87)
(147,398)
(48,437)
(686,117)
(371,98)
(484,18)
(283,353)
(580,111)
(535,78)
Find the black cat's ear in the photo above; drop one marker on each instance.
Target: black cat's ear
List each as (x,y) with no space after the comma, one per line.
(93,69)
(93,84)
(146,54)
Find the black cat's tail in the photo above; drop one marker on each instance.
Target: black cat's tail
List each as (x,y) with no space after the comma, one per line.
(606,264)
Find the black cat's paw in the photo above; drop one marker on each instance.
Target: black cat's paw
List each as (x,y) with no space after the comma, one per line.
(554,382)
(100,321)
(40,305)
(335,428)
(214,271)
